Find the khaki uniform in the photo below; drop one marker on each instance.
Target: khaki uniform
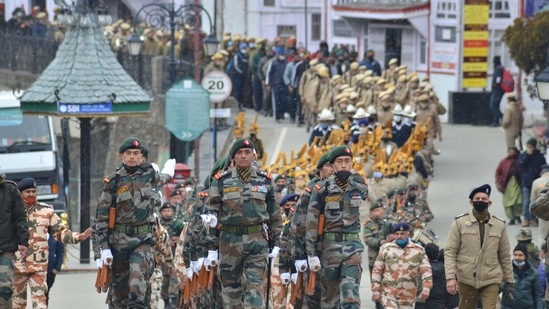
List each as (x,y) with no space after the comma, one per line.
(384,116)
(475,265)
(512,123)
(366,96)
(149,46)
(311,100)
(537,186)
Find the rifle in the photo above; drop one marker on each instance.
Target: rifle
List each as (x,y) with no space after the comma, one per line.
(311,282)
(297,289)
(270,242)
(202,279)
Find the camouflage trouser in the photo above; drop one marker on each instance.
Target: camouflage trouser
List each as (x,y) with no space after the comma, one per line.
(38,289)
(170,282)
(6,279)
(242,257)
(340,274)
(279,292)
(132,268)
(156,286)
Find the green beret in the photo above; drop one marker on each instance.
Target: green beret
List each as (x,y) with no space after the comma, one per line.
(130,143)
(401,191)
(240,143)
(188,181)
(177,187)
(413,186)
(323,160)
(377,204)
(145,152)
(175,192)
(166,205)
(392,193)
(340,151)
(279,176)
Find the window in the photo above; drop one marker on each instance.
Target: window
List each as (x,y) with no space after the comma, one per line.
(342,29)
(497,48)
(286,31)
(499,9)
(422,51)
(446,9)
(316,27)
(445,34)
(268,2)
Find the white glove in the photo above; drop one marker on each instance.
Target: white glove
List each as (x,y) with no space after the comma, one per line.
(212,258)
(285,278)
(210,220)
(274,252)
(189,273)
(294,278)
(99,263)
(200,263)
(314,263)
(106,257)
(156,167)
(169,167)
(301,265)
(195,267)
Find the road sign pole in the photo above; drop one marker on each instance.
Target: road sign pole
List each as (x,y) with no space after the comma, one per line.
(215,135)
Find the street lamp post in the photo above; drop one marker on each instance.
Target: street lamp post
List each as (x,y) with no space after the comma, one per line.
(542,85)
(156,15)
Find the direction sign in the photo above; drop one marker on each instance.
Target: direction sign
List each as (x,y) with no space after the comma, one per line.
(220,113)
(187,110)
(218,84)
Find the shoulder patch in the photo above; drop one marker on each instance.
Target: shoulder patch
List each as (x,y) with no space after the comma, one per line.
(459,216)
(317,186)
(10,182)
(265,174)
(108,178)
(501,219)
(308,189)
(220,175)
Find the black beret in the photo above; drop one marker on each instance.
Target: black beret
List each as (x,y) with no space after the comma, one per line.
(130,143)
(323,160)
(240,143)
(145,152)
(175,192)
(484,188)
(377,204)
(27,183)
(340,151)
(288,198)
(279,176)
(167,205)
(401,226)
(412,186)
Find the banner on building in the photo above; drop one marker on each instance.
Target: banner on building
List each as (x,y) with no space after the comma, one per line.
(475,43)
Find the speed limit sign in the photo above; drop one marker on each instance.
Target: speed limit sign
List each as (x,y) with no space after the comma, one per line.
(218,84)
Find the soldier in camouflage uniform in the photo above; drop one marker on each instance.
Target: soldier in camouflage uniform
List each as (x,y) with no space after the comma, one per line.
(396,271)
(337,253)
(162,255)
(32,269)
(243,200)
(298,229)
(285,262)
(525,237)
(128,246)
(169,281)
(14,236)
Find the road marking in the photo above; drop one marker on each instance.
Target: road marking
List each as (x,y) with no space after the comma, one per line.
(278,146)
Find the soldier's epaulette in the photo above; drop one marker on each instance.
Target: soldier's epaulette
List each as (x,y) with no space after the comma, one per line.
(501,219)
(265,174)
(459,216)
(108,178)
(11,182)
(318,186)
(220,175)
(308,189)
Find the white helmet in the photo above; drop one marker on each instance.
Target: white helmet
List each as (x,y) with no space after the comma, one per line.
(361,114)
(326,115)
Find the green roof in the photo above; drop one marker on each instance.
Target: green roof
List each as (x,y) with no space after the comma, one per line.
(85,72)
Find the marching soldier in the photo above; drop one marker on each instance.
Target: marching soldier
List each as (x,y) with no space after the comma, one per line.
(169,282)
(243,201)
(32,268)
(285,262)
(162,255)
(124,224)
(396,270)
(338,200)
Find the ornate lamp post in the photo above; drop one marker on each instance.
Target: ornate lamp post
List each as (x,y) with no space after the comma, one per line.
(161,15)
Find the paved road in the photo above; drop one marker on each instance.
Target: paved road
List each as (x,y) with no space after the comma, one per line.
(469,158)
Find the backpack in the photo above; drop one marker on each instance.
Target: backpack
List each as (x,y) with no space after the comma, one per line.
(507,82)
(540,206)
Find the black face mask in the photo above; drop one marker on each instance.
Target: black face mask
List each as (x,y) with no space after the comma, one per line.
(480,206)
(371,120)
(412,197)
(131,170)
(385,139)
(286,211)
(343,175)
(279,188)
(371,58)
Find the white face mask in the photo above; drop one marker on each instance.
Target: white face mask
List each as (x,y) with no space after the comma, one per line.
(407,121)
(397,118)
(244,51)
(281,57)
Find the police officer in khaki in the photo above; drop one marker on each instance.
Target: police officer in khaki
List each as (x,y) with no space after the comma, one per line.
(477,254)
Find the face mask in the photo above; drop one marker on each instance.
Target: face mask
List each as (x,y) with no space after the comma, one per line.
(397,118)
(343,175)
(279,188)
(252,45)
(519,264)
(30,200)
(129,169)
(407,121)
(480,206)
(286,211)
(244,51)
(402,242)
(371,58)
(378,175)
(411,197)
(385,139)
(371,120)
(281,58)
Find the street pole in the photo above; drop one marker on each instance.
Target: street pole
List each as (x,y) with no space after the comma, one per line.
(85,197)
(215,132)
(306,27)
(197,60)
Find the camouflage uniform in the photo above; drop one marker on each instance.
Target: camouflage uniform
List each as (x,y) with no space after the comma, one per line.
(242,208)
(375,230)
(32,271)
(297,236)
(15,226)
(415,214)
(132,238)
(162,254)
(340,249)
(170,282)
(396,271)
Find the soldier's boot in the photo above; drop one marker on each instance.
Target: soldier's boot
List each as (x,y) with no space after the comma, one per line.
(167,303)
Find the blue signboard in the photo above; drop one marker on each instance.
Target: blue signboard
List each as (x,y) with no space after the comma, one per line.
(94,108)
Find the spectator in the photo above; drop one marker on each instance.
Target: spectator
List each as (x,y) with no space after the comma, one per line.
(55,260)
(237,69)
(524,237)
(508,183)
(14,24)
(370,63)
(530,162)
(541,269)
(513,120)
(497,91)
(275,81)
(527,293)
(40,28)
